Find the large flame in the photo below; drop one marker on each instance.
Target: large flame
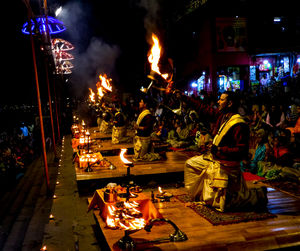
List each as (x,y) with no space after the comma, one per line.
(125,161)
(105,82)
(154,56)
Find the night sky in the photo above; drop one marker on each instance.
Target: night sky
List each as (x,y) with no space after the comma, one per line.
(109,36)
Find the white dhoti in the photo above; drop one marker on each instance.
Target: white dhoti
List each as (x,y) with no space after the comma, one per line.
(118,134)
(105,127)
(220,186)
(143,149)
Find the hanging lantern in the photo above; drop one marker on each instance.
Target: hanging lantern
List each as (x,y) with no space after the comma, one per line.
(59,44)
(38,26)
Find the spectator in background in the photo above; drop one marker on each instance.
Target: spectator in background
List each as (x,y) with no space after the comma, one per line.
(282,154)
(262,149)
(263,81)
(24,130)
(275,118)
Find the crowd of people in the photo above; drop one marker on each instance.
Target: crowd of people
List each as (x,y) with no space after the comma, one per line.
(253,131)
(188,123)
(18,148)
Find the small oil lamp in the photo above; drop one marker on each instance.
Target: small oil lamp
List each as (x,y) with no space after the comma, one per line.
(88,169)
(128,164)
(83,126)
(44,248)
(51,217)
(88,139)
(163,195)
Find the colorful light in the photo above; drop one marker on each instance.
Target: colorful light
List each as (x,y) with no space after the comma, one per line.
(62,55)
(39,25)
(61,44)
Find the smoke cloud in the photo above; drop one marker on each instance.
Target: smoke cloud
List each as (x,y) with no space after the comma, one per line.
(152,18)
(92,55)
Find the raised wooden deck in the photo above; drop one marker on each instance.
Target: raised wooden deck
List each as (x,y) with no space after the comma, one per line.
(280,232)
(95,134)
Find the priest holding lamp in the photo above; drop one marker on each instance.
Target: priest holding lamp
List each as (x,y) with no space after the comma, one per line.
(143,148)
(215,178)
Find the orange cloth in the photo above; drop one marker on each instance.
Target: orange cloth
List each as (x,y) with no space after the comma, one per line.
(75,144)
(296,128)
(146,207)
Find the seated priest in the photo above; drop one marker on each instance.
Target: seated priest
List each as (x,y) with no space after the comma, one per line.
(119,129)
(215,178)
(106,126)
(143,147)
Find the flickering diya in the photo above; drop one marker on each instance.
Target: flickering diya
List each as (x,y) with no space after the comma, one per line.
(163,195)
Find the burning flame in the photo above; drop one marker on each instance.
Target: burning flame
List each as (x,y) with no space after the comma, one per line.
(111,209)
(111,222)
(105,82)
(160,190)
(124,218)
(88,158)
(125,161)
(138,223)
(92,96)
(100,92)
(155,56)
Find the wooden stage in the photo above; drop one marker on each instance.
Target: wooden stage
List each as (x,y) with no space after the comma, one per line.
(280,232)
(95,134)
(174,163)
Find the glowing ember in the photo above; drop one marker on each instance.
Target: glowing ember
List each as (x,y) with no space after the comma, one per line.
(154,56)
(92,96)
(125,161)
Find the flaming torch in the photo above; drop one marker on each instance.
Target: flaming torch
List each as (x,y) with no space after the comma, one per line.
(154,56)
(92,96)
(156,75)
(105,82)
(104,85)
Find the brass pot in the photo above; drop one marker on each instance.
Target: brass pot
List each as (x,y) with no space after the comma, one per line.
(110,195)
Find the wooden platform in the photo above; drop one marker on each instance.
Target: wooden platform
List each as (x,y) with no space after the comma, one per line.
(95,134)
(108,146)
(174,163)
(280,232)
